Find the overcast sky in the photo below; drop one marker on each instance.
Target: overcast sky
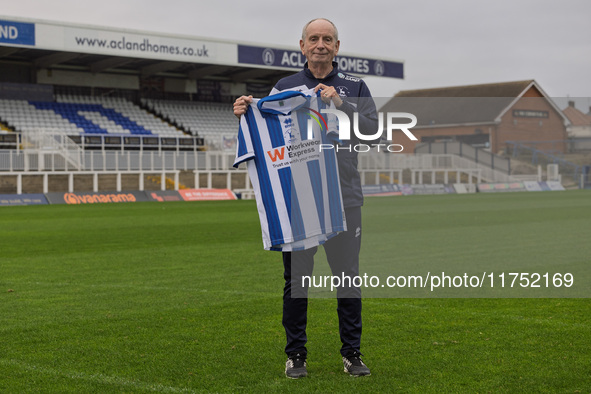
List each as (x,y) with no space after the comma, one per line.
(442,43)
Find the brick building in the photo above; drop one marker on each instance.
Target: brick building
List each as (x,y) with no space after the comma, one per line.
(580,123)
(484,116)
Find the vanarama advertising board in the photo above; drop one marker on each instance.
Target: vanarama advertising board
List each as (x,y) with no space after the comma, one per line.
(85,198)
(77,198)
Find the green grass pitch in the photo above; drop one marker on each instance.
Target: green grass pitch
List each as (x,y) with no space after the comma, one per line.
(181,297)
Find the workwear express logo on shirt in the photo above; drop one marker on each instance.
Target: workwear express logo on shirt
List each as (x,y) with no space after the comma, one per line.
(288,153)
(276,154)
(293,148)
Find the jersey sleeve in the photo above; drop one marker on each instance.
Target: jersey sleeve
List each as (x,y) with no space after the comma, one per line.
(244,147)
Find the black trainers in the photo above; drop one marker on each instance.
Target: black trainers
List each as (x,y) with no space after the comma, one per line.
(295,366)
(354,366)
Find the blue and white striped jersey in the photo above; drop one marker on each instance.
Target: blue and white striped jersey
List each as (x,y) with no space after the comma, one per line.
(296,183)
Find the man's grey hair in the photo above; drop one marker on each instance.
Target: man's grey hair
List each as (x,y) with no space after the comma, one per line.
(305,29)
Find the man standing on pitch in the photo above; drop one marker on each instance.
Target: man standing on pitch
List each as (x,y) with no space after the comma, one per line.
(320,45)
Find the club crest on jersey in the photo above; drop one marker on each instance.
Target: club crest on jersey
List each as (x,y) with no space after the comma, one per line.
(342,91)
(288,134)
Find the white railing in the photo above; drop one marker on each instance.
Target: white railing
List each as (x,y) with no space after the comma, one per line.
(51,141)
(381,161)
(100,161)
(371,164)
(163,176)
(487,173)
(481,156)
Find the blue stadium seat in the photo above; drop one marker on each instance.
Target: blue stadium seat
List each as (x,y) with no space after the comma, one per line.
(70,111)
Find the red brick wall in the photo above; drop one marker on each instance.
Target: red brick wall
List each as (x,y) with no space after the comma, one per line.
(511,127)
(518,128)
(399,137)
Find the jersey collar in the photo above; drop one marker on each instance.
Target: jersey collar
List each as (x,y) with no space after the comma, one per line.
(282,103)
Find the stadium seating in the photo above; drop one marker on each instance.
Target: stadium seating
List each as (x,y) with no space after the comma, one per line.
(199,118)
(26,117)
(117,114)
(86,115)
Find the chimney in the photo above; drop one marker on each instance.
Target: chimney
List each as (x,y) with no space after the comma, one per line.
(571,103)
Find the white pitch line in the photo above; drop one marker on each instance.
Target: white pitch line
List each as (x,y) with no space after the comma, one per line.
(97,378)
(145,287)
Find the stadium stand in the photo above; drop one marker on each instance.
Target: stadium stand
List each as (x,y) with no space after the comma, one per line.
(118,115)
(24,116)
(84,115)
(204,119)
(79,115)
